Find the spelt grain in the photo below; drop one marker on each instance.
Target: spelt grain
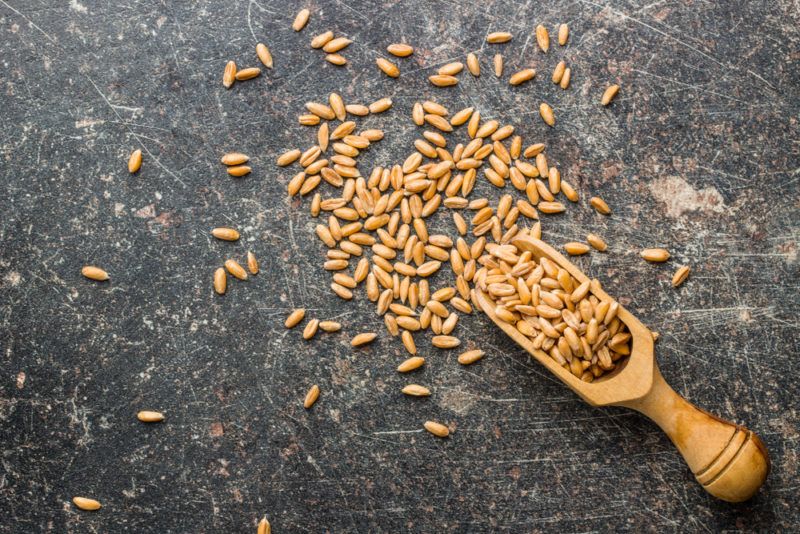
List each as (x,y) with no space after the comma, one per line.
(542,38)
(85,503)
(470,357)
(311,329)
(600,205)
(264,55)
(225,234)
(563,34)
(655,255)
(247,74)
(295,317)
(336,45)
(388,68)
(234,158)
(441,80)
(336,59)
(135,161)
(576,249)
(239,170)
(311,397)
(609,94)
(363,339)
(220,281)
(437,429)
(330,326)
(94,273)
(252,263)
(451,69)
(415,390)
(522,76)
(301,20)
(680,276)
(415,362)
(289,157)
(473,65)
(322,39)
(400,49)
(498,65)
(566,79)
(264,527)
(498,37)
(379,106)
(546,113)
(597,242)
(229,75)
(146,416)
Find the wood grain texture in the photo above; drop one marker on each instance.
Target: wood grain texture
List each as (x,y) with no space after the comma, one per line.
(697,154)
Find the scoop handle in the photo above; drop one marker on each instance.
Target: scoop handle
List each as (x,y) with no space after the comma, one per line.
(728,460)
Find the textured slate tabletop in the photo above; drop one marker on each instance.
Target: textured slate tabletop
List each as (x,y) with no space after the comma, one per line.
(699,153)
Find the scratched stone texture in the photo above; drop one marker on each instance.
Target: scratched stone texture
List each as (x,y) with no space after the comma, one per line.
(699,154)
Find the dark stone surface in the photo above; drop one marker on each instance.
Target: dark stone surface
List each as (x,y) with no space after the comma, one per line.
(699,154)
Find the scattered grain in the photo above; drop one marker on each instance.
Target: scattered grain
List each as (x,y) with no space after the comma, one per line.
(498,37)
(311,397)
(229,76)
(565,79)
(336,45)
(363,339)
(522,76)
(311,329)
(247,74)
(437,429)
(470,357)
(655,255)
(330,326)
(336,59)
(576,249)
(440,80)
(451,69)
(415,362)
(94,273)
(546,113)
(264,55)
(388,68)
(597,242)
(400,49)
(234,158)
(680,275)
(135,161)
(220,281)
(322,39)
(289,157)
(473,65)
(563,34)
(225,234)
(542,38)
(85,503)
(301,20)
(146,416)
(498,65)
(609,94)
(264,527)
(415,390)
(600,205)
(252,263)
(379,106)
(295,317)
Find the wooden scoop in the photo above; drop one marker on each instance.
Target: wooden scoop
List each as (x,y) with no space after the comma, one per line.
(730,461)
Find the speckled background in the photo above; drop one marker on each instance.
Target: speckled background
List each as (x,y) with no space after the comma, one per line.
(699,154)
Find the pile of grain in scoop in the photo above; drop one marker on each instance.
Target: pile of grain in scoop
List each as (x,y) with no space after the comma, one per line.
(556,312)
